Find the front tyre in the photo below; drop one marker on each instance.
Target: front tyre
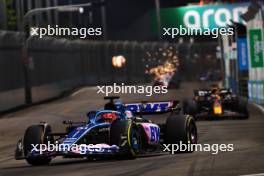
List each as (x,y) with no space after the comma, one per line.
(181,129)
(36,134)
(242,108)
(126,135)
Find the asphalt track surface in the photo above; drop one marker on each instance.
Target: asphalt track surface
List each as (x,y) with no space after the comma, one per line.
(246,135)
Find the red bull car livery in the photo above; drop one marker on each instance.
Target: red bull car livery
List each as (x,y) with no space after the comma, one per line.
(216,104)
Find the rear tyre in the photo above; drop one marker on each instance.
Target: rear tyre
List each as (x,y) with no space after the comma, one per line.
(190,107)
(242,108)
(181,129)
(126,135)
(36,134)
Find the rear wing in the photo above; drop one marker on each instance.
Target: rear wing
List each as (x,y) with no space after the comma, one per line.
(154,107)
(202,93)
(225,91)
(207,92)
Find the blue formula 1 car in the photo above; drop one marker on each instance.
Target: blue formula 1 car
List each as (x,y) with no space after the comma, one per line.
(118,129)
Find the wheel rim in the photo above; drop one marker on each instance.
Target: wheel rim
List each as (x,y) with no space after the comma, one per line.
(192,133)
(135,140)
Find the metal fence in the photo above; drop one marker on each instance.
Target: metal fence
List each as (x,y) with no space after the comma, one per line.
(11,71)
(58,65)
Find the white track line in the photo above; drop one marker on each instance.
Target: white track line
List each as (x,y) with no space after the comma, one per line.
(260,174)
(261,108)
(82,90)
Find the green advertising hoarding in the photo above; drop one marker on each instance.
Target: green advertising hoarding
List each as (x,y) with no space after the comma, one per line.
(207,16)
(256,53)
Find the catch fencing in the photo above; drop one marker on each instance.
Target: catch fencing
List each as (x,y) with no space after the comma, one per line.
(11,71)
(59,65)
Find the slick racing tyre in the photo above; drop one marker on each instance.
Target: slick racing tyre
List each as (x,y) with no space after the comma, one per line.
(36,134)
(181,129)
(190,107)
(242,108)
(126,135)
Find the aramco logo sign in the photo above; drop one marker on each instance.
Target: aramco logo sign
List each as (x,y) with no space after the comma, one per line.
(210,16)
(213,17)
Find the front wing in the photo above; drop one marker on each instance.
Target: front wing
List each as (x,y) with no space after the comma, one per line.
(227,114)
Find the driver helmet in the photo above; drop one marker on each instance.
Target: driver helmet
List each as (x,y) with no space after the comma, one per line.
(214,89)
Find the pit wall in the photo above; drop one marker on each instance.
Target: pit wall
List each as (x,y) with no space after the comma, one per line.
(243,60)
